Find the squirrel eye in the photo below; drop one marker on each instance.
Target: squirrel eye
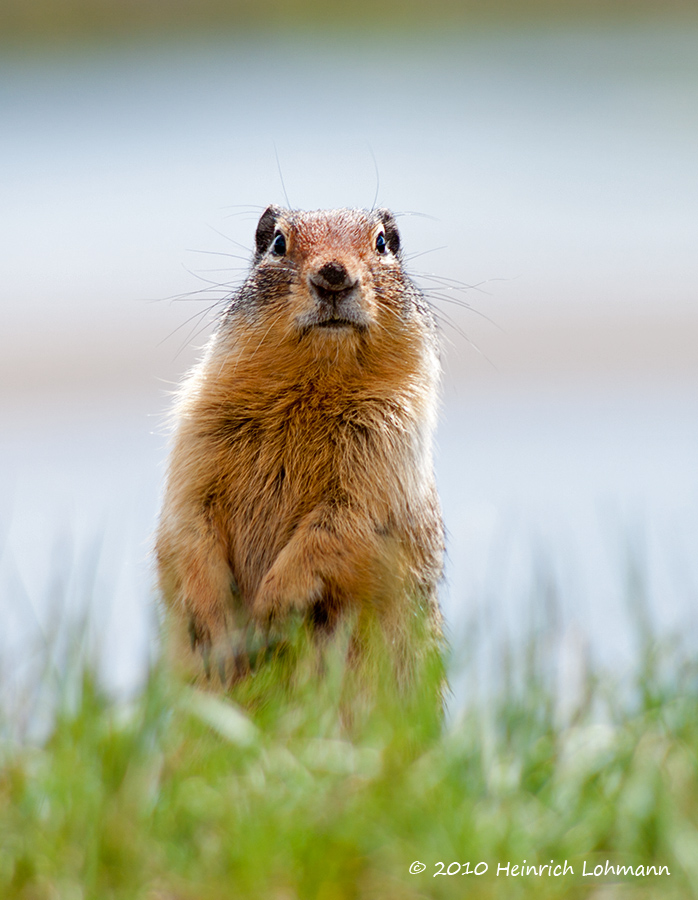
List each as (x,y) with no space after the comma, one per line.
(380,242)
(278,245)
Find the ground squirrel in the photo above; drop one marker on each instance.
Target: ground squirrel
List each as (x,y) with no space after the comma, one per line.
(301,475)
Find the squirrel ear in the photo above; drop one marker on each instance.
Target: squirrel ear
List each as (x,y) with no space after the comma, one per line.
(266,228)
(392,235)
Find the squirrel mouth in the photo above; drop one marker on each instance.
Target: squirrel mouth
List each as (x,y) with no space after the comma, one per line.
(333,323)
(336,323)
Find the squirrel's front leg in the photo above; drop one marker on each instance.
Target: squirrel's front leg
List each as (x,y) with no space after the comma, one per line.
(338,552)
(198,587)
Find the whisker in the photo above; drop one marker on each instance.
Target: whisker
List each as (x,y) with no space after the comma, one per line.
(226,237)
(442,317)
(244,259)
(197,318)
(417,215)
(461,304)
(192,336)
(281,177)
(252,211)
(275,320)
(453,283)
(378,180)
(229,285)
(410,256)
(197,272)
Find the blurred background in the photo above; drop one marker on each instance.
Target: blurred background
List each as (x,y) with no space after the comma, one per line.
(542,158)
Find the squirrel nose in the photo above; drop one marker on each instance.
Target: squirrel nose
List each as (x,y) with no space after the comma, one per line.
(332,277)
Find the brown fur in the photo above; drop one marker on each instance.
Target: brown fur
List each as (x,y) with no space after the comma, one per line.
(301,475)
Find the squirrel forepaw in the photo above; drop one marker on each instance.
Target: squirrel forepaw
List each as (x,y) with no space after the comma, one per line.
(283,592)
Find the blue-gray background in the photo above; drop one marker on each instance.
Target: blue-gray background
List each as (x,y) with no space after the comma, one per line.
(552,168)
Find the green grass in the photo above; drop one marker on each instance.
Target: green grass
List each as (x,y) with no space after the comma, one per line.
(313,781)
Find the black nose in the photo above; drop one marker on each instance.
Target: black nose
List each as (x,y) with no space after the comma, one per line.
(332,276)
